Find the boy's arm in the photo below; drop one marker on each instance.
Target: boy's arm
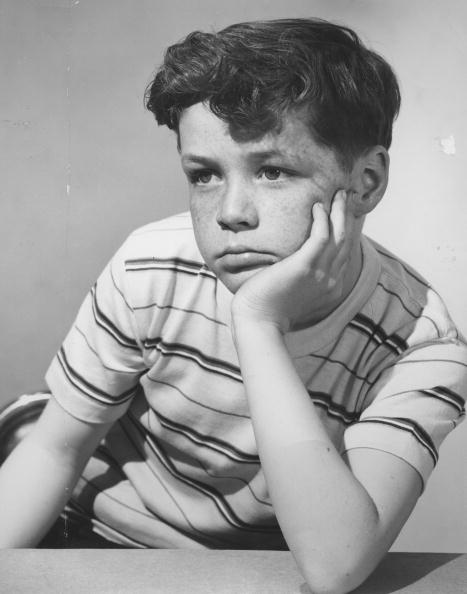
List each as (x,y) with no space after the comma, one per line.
(38,477)
(338,518)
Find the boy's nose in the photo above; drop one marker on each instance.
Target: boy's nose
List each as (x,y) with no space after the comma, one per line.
(237,210)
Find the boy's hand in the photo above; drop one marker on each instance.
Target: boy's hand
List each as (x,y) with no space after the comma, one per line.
(300,288)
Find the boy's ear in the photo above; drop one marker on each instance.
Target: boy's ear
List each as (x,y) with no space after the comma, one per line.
(369,179)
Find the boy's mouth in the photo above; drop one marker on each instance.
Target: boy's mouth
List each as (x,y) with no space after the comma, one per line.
(238,259)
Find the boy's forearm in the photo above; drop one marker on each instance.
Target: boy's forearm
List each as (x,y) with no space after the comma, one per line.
(35,485)
(38,477)
(327,517)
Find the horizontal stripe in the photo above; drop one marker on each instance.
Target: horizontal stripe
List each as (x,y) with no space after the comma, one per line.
(119,291)
(208,363)
(400,362)
(399,298)
(89,389)
(448,396)
(108,532)
(415,362)
(94,352)
(105,528)
(378,334)
(106,324)
(171,264)
(73,514)
(131,419)
(197,402)
(208,441)
(418,315)
(210,492)
(409,426)
(404,266)
(333,409)
(352,372)
(439,392)
(237,479)
(181,309)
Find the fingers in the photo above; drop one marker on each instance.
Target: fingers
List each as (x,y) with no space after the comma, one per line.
(329,246)
(342,231)
(320,229)
(338,217)
(337,236)
(313,247)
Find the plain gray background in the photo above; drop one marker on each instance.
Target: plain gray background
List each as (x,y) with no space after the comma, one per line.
(83,164)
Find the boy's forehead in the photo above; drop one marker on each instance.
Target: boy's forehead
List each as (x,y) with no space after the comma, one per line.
(200,130)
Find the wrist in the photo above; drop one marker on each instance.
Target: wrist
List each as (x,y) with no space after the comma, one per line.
(252,324)
(252,330)
(245,317)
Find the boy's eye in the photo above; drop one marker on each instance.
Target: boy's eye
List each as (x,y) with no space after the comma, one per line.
(203,176)
(272,173)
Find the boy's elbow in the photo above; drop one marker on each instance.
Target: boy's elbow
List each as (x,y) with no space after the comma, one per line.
(333,576)
(332,584)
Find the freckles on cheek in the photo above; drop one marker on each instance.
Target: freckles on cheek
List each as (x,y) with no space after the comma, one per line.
(203,228)
(290,237)
(198,214)
(296,224)
(201,210)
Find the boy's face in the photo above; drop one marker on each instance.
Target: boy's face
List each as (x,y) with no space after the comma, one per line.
(251,201)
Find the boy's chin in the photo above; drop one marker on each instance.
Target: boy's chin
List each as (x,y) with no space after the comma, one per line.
(234,280)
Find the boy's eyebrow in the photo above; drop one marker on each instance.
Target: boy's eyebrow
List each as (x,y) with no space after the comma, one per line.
(253,155)
(206,161)
(264,155)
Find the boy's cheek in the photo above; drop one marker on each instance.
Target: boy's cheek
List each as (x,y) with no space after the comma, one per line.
(203,213)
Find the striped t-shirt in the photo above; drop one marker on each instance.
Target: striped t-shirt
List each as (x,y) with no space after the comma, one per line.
(151,349)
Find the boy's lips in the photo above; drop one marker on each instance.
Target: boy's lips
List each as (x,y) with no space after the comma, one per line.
(240,258)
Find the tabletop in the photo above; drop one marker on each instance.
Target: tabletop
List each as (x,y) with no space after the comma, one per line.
(133,571)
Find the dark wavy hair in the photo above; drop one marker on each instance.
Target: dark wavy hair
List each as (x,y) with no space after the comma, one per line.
(251,74)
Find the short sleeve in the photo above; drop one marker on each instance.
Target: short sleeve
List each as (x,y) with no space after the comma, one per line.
(414,403)
(96,372)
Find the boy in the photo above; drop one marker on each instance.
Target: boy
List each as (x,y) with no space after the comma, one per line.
(263,374)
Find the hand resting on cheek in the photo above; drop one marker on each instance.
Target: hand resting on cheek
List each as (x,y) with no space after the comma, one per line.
(307,285)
